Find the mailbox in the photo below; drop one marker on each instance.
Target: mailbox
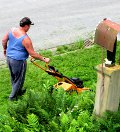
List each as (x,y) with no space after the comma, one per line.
(106,36)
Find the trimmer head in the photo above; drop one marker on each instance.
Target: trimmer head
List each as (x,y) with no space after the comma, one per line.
(63,81)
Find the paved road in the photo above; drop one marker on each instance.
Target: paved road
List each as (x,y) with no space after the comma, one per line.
(57,22)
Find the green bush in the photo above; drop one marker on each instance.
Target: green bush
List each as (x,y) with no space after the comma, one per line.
(44,108)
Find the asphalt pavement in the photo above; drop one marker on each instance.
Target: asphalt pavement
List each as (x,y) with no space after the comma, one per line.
(57,22)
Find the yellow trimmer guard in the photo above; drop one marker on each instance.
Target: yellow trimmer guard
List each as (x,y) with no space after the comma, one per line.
(67,87)
(64,85)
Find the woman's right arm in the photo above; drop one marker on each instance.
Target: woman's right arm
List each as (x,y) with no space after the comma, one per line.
(29,47)
(4,42)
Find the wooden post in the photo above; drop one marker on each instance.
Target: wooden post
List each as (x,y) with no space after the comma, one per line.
(107,90)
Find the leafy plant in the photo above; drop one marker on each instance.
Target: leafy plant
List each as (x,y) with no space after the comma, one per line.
(33,123)
(44,109)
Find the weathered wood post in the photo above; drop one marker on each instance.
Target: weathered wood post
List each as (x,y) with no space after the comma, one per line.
(107,90)
(108,81)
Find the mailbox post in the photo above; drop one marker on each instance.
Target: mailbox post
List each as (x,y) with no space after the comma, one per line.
(108,76)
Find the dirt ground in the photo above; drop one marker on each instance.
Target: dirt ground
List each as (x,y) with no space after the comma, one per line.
(57,22)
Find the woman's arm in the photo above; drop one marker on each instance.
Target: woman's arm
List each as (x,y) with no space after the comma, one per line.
(29,47)
(4,42)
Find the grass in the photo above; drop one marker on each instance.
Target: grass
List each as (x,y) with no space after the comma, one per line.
(72,61)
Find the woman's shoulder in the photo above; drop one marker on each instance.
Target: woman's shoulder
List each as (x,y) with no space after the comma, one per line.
(13,29)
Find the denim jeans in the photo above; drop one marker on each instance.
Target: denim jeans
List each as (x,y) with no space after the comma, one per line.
(17,71)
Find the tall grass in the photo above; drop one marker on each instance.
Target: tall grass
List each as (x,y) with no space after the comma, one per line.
(45,109)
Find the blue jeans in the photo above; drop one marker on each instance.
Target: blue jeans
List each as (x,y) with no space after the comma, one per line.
(17,71)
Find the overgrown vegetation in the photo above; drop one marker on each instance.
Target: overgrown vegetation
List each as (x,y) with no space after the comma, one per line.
(41,110)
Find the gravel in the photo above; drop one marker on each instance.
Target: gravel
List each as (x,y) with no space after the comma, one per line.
(57,22)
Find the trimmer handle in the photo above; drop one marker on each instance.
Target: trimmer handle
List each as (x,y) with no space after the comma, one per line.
(32,59)
(46,65)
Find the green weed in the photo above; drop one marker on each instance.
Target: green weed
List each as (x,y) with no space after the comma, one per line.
(44,108)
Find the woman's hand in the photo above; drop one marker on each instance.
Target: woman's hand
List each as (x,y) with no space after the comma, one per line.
(47,60)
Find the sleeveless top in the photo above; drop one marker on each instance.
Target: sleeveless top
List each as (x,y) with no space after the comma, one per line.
(15,49)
